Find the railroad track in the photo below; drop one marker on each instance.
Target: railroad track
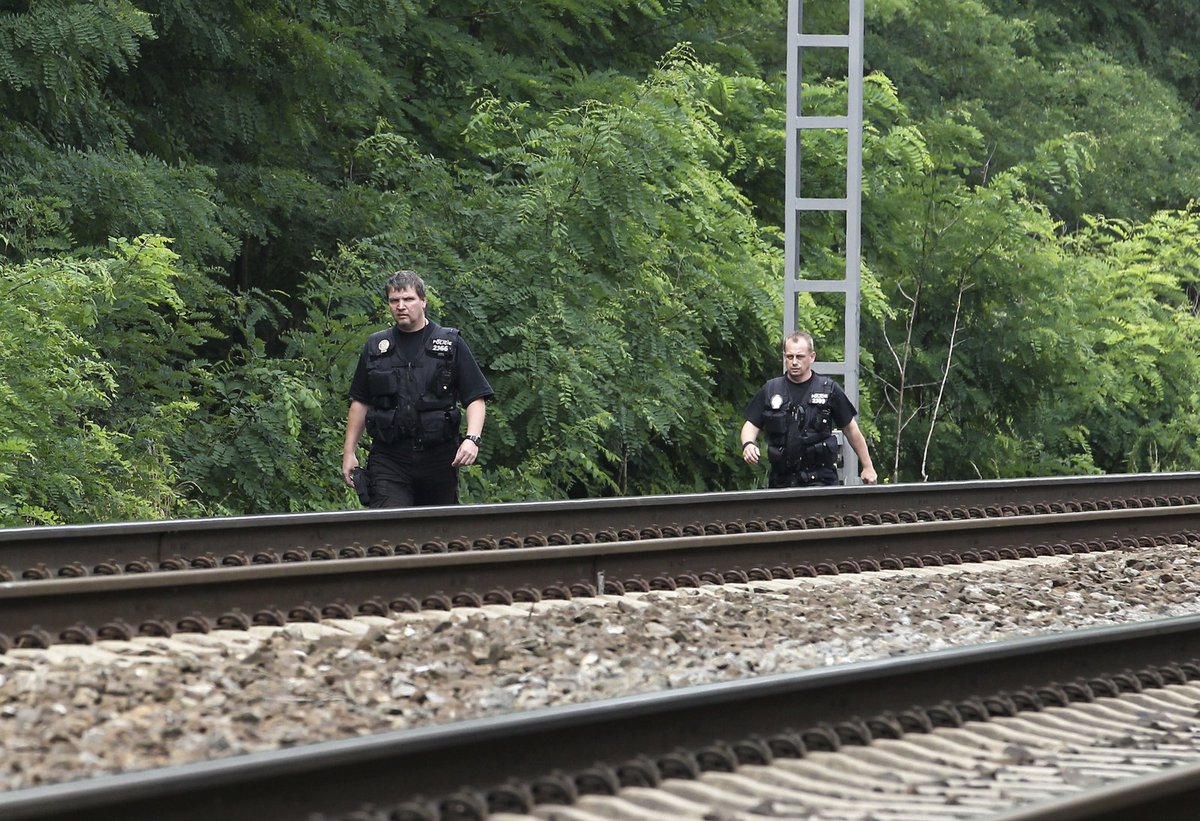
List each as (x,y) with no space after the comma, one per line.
(990,731)
(29,554)
(727,538)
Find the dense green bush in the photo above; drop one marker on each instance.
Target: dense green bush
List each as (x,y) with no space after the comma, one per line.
(595,195)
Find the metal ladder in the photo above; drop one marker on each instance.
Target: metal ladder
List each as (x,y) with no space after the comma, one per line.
(845,371)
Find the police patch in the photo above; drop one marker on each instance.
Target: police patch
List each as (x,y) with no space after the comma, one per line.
(440,347)
(818,398)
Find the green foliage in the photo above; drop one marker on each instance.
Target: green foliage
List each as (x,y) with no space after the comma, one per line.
(1142,332)
(83,197)
(75,338)
(1004,348)
(1027,73)
(274,97)
(106,412)
(30,226)
(608,276)
(55,58)
(602,223)
(248,453)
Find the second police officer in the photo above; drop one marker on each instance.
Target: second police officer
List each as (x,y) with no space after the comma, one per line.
(798,413)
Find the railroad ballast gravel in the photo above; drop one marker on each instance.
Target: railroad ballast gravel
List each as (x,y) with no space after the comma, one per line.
(74,712)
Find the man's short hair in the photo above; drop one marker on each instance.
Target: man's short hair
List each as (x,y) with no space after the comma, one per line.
(403,279)
(799,336)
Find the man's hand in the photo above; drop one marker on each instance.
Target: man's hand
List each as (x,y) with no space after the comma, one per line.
(467,453)
(751,453)
(349,463)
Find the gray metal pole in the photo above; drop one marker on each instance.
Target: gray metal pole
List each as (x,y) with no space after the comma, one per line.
(851,204)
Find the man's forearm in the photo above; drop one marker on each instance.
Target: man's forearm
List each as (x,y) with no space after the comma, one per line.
(859,443)
(356,423)
(476,413)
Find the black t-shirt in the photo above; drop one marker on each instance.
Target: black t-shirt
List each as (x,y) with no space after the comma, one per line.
(842,409)
(469,382)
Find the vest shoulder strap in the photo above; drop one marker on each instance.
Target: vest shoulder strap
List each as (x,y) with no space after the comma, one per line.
(443,343)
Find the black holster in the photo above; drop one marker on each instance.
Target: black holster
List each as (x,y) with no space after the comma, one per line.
(362,486)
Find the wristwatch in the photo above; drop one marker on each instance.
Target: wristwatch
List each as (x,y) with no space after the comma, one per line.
(473,438)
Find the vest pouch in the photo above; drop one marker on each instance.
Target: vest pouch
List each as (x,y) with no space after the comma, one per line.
(441,384)
(384,386)
(822,454)
(381,424)
(823,423)
(440,425)
(775,454)
(775,423)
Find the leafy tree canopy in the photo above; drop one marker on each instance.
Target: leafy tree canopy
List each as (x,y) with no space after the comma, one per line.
(198,202)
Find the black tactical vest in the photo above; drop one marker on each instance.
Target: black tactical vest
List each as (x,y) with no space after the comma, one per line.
(800,436)
(412,402)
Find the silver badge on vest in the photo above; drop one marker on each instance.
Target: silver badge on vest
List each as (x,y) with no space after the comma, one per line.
(384,344)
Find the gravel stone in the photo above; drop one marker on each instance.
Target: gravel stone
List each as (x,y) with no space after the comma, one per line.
(73,712)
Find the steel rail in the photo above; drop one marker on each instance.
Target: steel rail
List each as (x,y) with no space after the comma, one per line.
(1170,794)
(124,542)
(339,777)
(67,609)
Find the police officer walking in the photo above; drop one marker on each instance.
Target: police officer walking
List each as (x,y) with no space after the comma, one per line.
(406,392)
(798,412)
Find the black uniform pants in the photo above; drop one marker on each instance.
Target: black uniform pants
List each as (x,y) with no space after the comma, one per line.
(803,477)
(401,476)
